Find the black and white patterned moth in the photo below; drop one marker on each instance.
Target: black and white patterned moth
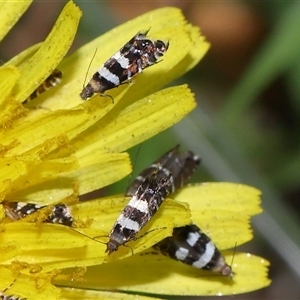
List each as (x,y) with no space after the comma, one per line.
(52,80)
(148,192)
(60,213)
(136,55)
(191,246)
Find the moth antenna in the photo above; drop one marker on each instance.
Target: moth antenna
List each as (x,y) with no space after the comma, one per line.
(146,31)
(89,66)
(109,96)
(11,284)
(146,233)
(132,252)
(94,239)
(141,236)
(10,297)
(232,259)
(87,236)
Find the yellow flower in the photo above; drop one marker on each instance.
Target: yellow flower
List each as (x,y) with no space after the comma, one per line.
(68,147)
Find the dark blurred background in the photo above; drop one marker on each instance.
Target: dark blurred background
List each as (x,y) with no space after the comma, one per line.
(246,127)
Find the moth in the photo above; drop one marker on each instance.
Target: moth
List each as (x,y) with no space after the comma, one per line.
(148,191)
(52,80)
(136,55)
(60,213)
(191,246)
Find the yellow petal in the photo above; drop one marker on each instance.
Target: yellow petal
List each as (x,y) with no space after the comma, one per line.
(156,274)
(39,237)
(232,197)
(56,247)
(8,78)
(2,213)
(118,130)
(71,294)
(9,109)
(222,210)
(225,228)
(37,68)
(38,173)
(139,121)
(11,11)
(26,286)
(10,170)
(57,177)
(117,135)
(100,170)
(47,126)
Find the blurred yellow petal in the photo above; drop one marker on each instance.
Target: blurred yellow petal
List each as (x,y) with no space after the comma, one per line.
(11,11)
